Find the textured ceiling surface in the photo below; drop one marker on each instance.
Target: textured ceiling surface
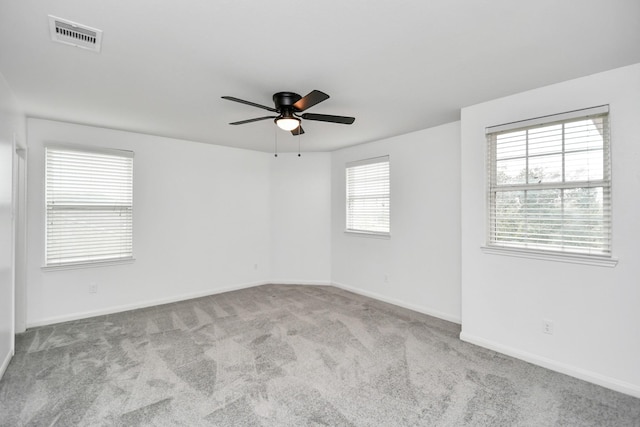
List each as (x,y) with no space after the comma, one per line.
(397,66)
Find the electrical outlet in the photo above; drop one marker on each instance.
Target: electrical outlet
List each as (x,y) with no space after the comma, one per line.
(547,326)
(93,288)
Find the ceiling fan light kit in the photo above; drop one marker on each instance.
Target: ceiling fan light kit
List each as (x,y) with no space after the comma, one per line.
(287,123)
(288,105)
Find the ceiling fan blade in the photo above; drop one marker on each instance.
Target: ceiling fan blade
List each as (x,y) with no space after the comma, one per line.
(329,118)
(241,122)
(298,131)
(312,98)
(253,104)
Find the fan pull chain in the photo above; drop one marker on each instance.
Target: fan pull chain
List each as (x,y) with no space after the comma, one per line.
(299,136)
(276,141)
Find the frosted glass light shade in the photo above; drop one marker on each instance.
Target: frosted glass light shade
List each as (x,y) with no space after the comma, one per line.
(288,123)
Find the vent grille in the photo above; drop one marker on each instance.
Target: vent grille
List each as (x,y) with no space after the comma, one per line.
(74,34)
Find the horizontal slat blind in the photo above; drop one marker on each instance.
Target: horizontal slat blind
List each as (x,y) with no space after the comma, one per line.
(89,205)
(550,186)
(368,195)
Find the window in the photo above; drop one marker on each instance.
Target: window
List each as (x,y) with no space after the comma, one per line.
(549,183)
(89,206)
(368,196)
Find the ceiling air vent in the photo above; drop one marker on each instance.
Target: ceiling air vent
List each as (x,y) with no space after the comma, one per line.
(74,34)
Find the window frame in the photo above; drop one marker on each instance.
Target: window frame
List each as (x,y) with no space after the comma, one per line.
(546,251)
(368,232)
(91,259)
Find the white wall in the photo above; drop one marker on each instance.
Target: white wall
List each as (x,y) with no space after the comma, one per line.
(422,258)
(11,130)
(301,218)
(594,309)
(201,224)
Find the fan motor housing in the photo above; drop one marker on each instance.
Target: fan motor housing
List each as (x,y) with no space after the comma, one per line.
(285,99)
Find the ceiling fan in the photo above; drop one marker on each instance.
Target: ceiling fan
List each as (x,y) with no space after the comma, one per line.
(288,105)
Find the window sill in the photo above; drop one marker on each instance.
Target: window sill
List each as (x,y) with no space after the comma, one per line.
(596,260)
(371,234)
(92,264)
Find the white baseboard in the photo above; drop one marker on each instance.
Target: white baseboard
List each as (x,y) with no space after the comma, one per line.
(5,363)
(302,282)
(583,374)
(418,308)
(143,304)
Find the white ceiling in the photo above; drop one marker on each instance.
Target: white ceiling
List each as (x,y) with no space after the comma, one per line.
(397,66)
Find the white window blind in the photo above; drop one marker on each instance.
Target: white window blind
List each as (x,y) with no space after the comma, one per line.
(89,205)
(368,195)
(550,183)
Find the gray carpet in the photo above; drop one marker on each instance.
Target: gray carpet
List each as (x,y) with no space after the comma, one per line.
(280,355)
